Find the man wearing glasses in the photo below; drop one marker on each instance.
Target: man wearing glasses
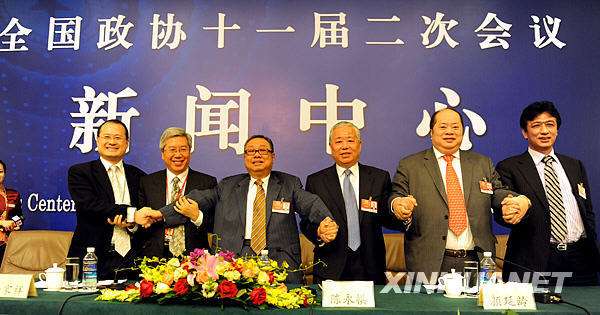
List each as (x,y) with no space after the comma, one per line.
(102,190)
(257,210)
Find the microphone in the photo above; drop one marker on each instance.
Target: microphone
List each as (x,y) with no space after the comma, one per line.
(119,286)
(546,296)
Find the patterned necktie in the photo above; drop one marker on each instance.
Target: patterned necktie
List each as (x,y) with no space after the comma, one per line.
(456,199)
(258,239)
(558,221)
(177,243)
(120,236)
(351,213)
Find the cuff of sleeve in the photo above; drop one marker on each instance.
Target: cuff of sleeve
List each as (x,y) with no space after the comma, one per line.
(199,220)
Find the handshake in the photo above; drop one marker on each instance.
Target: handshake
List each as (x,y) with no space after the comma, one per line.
(147,216)
(327,230)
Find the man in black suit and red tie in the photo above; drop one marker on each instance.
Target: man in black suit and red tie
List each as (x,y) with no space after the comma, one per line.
(356,195)
(558,233)
(163,187)
(102,190)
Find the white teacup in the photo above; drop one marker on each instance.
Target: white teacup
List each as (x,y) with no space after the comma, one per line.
(453,284)
(54,277)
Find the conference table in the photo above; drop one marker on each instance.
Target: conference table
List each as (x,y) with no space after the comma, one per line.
(387,303)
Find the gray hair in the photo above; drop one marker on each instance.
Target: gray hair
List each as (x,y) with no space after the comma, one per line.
(342,124)
(174,132)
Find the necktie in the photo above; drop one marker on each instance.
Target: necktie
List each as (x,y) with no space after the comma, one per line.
(120,236)
(558,221)
(258,239)
(351,213)
(177,243)
(456,200)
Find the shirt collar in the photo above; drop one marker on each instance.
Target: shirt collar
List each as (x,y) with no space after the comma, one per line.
(439,155)
(107,164)
(340,170)
(265,180)
(181,176)
(538,156)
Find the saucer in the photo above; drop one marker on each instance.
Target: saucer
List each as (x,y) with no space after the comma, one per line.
(454,297)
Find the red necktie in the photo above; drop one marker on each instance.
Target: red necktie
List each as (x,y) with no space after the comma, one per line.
(456,200)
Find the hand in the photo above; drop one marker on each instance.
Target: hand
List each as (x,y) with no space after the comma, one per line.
(146,217)
(119,221)
(514,209)
(403,207)
(8,225)
(188,208)
(327,230)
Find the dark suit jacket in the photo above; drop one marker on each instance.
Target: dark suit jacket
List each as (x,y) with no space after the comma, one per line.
(90,188)
(153,194)
(529,240)
(226,203)
(425,239)
(373,184)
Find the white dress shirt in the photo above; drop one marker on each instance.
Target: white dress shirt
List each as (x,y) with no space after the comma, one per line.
(465,240)
(182,181)
(252,189)
(575,228)
(353,180)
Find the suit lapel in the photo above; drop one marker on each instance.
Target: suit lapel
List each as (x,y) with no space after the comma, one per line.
(570,171)
(365,183)
(100,173)
(433,168)
(466,168)
(332,184)
(161,189)
(528,170)
(241,195)
(272,192)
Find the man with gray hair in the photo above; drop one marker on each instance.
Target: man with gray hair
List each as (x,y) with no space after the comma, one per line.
(163,187)
(356,195)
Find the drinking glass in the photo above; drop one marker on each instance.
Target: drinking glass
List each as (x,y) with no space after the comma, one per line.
(72,273)
(471,277)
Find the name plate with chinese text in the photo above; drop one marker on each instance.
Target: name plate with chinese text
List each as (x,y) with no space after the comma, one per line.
(348,294)
(17,286)
(511,295)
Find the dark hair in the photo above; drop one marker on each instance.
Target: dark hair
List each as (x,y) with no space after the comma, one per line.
(260,137)
(536,108)
(116,121)
(432,121)
(3,165)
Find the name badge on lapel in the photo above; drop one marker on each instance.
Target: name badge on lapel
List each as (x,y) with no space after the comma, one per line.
(169,234)
(368,205)
(486,187)
(581,190)
(281,206)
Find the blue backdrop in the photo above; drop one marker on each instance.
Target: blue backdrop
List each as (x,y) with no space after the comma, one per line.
(279,75)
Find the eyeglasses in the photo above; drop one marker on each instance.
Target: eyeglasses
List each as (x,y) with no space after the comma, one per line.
(109,137)
(251,152)
(182,150)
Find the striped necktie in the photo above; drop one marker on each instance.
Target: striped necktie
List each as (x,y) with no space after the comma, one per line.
(258,239)
(177,243)
(558,220)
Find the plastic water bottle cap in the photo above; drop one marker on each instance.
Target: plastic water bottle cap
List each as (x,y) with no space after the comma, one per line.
(487,254)
(264,252)
(91,249)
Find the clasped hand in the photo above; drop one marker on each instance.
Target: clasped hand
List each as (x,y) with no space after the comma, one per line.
(327,230)
(403,207)
(514,208)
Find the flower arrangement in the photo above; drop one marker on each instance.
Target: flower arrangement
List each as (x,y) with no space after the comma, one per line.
(220,279)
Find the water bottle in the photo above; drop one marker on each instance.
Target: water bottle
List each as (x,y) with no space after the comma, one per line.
(264,257)
(488,269)
(90,269)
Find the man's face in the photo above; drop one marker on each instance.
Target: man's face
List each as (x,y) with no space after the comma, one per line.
(345,146)
(176,154)
(112,143)
(447,133)
(541,132)
(258,165)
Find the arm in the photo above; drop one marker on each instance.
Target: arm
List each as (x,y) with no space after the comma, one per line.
(206,201)
(506,186)
(313,213)
(84,191)
(401,202)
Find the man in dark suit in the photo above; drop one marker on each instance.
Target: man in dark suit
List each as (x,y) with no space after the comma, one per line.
(257,211)
(444,197)
(358,205)
(163,187)
(558,234)
(102,190)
